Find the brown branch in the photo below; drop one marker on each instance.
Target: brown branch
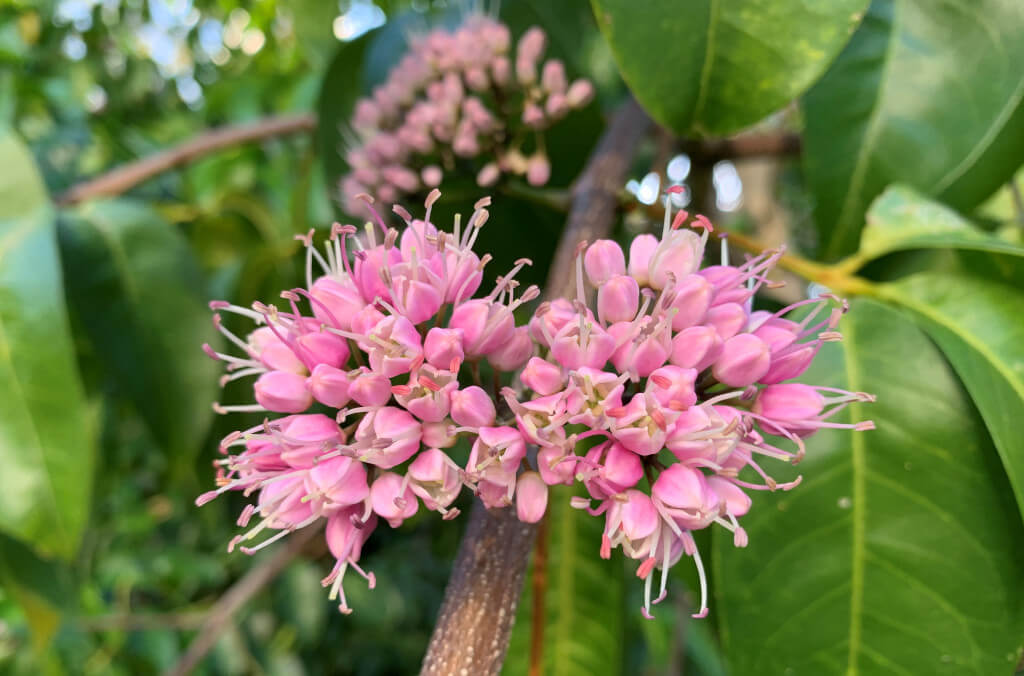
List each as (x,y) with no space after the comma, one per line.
(475,621)
(222,613)
(596,194)
(709,151)
(127,176)
(540,587)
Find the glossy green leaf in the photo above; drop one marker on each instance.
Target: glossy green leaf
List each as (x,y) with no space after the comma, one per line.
(926,93)
(901,219)
(716,67)
(979,324)
(583,602)
(47,444)
(901,552)
(138,294)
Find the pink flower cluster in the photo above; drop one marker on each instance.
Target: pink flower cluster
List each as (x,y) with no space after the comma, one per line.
(459,98)
(378,352)
(681,384)
(657,388)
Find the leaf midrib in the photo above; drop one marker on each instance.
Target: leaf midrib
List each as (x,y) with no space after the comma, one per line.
(705,69)
(858,495)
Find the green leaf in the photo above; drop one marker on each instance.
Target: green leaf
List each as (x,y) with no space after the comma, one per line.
(583,602)
(978,324)
(901,219)
(138,293)
(715,66)
(926,93)
(343,84)
(40,586)
(47,441)
(901,551)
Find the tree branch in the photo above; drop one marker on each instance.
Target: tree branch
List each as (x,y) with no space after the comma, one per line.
(127,176)
(709,151)
(475,621)
(221,614)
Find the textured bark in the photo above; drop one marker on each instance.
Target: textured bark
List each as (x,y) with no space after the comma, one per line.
(475,622)
(473,628)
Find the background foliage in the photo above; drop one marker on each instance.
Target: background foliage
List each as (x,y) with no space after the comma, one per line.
(902,550)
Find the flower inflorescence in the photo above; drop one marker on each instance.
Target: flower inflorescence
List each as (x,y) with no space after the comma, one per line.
(459,98)
(656,387)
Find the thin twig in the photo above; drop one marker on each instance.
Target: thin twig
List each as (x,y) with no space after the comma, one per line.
(124,178)
(475,621)
(221,614)
(181,621)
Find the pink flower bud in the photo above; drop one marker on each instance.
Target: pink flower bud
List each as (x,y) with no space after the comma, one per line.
(338,482)
(394,434)
(549,319)
(308,437)
(273,352)
(368,267)
(329,386)
(696,347)
(528,53)
(323,348)
(640,427)
(501,71)
(732,496)
(618,299)
(392,499)
(369,388)
(791,364)
(431,175)
(727,319)
(443,348)
(744,359)
(513,354)
(495,495)
(683,493)
(344,538)
(553,77)
(336,301)
(488,175)
(556,106)
(496,455)
(603,260)
(435,479)
(641,250)
(673,387)
(439,434)
(790,402)
(555,466)
(691,302)
(485,325)
(533,115)
(580,93)
(777,333)
(531,497)
(396,348)
(678,255)
(542,376)
(574,349)
(639,517)
(472,407)
(476,79)
(283,392)
(538,170)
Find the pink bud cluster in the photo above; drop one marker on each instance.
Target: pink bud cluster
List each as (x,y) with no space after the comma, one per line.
(681,384)
(462,98)
(378,351)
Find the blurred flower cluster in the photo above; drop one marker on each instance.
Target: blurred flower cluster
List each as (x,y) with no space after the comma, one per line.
(465,99)
(661,398)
